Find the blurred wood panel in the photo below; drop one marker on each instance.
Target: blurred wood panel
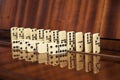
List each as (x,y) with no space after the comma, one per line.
(5,8)
(111,20)
(77,15)
(21,70)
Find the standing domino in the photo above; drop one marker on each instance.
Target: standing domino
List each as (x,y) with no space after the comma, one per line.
(47,35)
(42,52)
(15,49)
(27,34)
(15,42)
(40,34)
(71,47)
(20,33)
(79,48)
(88,49)
(62,37)
(96,50)
(14,34)
(62,48)
(34,34)
(54,36)
(22,48)
(53,54)
(27,37)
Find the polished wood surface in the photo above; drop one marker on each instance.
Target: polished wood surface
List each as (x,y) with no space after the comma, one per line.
(79,15)
(20,70)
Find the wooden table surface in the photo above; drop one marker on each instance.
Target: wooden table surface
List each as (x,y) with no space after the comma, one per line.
(13,69)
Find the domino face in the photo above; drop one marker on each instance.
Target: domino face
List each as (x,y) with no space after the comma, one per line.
(88,42)
(88,49)
(47,35)
(42,48)
(31,49)
(96,43)
(62,48)
(27,34)
(54,36)
(62,37)
(20,32)
(15,49)
(79,41)
(31,46)
(79,47)
(71,40)
(33,34)
(23,49)
(40,34)
(96,50)
(14,35)
(53,48)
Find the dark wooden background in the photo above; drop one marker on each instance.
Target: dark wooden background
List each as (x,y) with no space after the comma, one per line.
(79,15)
(101,16)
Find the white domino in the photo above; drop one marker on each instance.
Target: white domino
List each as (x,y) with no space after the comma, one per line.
(14,35)
(79,48)
(27,34)
(47,35)
(40,34)
(53,48)
(96,50)
(42,52)
(71,47)
(34,34)
(31,49)
(62,48)
(42,48)
(22,48)
(88,49)
(20,34)
(71,40)
(15,49)
(79,41)
(54,36)
(62,37)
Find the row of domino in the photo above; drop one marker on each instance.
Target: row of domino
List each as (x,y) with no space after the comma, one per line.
(50,47)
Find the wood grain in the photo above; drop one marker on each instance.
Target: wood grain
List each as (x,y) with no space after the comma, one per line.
(110,21)
(16,69)
(77,15)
